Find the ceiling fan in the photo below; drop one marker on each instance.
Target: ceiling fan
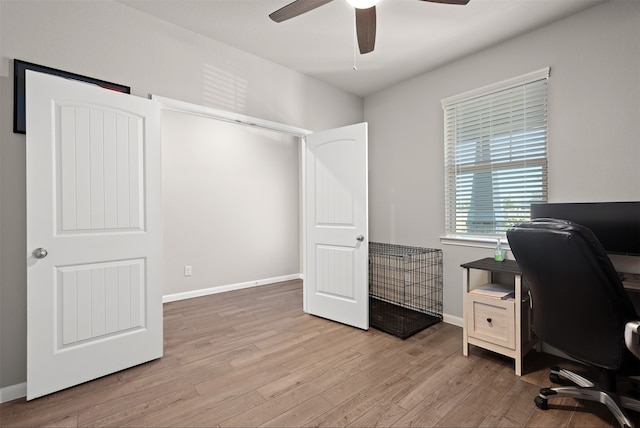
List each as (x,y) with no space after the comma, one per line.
(365,16)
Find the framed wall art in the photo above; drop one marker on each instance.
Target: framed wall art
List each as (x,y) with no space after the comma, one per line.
(19,69)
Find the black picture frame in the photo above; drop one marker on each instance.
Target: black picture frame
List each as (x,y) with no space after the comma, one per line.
(19,69)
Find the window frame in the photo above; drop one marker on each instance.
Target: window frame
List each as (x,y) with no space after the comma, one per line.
(453,167)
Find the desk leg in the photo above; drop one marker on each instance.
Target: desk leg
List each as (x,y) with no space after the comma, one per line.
(465,345)
(518,323)
(465,290)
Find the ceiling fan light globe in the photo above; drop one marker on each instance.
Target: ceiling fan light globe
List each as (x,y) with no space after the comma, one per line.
(363,4)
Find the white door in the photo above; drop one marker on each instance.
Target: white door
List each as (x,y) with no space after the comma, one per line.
(336,209)
(94,232)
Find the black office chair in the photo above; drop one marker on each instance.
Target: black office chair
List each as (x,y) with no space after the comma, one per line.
(579,307)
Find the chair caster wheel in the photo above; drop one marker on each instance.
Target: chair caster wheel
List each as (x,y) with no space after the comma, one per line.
(541,403)
(555,378)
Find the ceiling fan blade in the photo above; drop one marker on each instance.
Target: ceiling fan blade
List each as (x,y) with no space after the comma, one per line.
(296,8)
(460,2)
(366,29)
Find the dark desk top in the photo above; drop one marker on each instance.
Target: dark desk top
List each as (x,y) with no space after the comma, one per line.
(509,266)
(630,281)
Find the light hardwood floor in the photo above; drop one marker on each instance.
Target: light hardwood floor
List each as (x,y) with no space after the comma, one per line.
(252,358)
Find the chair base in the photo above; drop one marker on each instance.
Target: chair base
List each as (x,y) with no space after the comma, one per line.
(584,389)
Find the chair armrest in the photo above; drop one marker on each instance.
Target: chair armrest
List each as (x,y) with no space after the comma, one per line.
(632,337)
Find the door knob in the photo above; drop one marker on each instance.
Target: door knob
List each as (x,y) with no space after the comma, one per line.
(360,238)
(40,253)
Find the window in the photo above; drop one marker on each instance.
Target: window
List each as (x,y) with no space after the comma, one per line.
(495,154)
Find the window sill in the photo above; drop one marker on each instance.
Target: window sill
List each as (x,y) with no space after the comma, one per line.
(477,241)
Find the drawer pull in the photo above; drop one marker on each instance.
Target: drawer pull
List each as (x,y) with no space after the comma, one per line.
(489,320)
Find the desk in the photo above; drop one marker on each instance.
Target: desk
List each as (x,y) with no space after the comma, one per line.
(501,325)
(630,281)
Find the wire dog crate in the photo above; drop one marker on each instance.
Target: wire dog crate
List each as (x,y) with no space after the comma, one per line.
(405,288)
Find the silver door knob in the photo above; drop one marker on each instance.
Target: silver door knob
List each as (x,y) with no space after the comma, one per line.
(40,253)
(360,238)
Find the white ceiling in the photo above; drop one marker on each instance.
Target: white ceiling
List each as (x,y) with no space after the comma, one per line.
(412,36)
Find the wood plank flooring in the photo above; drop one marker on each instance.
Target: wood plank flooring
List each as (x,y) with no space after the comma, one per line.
(253,358)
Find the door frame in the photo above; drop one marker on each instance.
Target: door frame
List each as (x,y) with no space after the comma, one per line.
(243,120)
(240,119)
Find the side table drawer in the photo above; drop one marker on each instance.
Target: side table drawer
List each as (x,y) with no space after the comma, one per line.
(492,320)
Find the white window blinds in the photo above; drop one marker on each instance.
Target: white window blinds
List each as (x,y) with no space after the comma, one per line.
(495,154)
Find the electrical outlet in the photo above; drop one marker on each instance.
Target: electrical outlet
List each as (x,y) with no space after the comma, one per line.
(188,271)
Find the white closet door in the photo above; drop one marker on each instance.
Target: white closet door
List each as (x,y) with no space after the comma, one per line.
(94,232)
(337,257)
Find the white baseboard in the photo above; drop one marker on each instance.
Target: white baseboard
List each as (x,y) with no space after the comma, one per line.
(229,287)
(9,393)
(450,319)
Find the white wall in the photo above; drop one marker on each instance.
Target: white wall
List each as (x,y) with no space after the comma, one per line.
(231,205)
(110,41)
(594,128)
